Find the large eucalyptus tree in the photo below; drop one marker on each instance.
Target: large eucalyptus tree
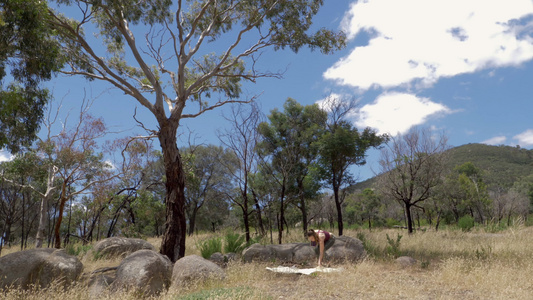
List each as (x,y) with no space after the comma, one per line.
(167,54)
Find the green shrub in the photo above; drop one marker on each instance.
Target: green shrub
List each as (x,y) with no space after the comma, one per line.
(210,246)
(77,249)
(370,249)
(466,223)
(393,249)
(234,242)
(391,222)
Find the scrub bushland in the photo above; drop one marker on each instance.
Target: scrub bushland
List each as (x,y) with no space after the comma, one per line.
(451,264)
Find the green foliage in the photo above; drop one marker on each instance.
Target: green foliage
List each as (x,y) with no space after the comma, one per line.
(77,249)
(393,248)
(493,227)
(466,223)
(369,247)
(425,264)
(502,165)
(28,50)
(390,222)
(234,242)
(210,246)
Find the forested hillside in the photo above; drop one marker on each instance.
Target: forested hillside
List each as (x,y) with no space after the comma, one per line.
(500,165)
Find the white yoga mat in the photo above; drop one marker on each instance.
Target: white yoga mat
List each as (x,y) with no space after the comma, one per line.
(295,270)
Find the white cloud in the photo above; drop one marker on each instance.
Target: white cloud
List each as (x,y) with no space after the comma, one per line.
(525,138)
(5,156)
(332,99)
(397,112)
(497,140)
(419,41)
(110,165)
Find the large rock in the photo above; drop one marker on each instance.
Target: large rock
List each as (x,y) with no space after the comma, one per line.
(222,259)
(294,252)
(406,261)
(39,267)
(146,270)
(99,281)
(195,268)
(344,249)
(119,247)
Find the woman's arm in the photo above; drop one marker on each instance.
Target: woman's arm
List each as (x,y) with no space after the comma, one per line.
(321,238)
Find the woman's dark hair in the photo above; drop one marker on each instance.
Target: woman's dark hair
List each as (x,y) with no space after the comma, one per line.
(312,232)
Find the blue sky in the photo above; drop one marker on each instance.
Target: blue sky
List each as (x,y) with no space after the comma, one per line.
(464,67)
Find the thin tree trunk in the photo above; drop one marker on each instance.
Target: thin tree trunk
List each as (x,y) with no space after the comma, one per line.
(192,221)
(258,213)
(62,201)
(281,215)
(438,221)
(339,209)
(22,221)
(67,237)
(302,207)
(116,215)
(246,217)
(173,242)
(44,207)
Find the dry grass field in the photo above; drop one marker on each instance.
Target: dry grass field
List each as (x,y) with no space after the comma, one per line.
(451,265)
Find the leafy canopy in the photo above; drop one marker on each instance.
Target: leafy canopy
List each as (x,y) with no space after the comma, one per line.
(30,54)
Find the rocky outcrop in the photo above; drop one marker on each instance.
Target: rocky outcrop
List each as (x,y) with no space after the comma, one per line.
(195,268)
(344,249)
(118,247)
(38,267)
(145,270)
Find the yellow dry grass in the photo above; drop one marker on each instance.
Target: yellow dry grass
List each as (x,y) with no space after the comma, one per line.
(451,265)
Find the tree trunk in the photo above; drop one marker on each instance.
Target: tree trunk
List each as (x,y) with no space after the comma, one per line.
(409,217)
(62,201)
(6,235)
(302,207)
(281,215)
(245,216)
(258,214)
(192,221)
(339,209)
(42,218)
(67,237)
(173,243)
(438,221)
(116,215)
(22,221)
(44,208)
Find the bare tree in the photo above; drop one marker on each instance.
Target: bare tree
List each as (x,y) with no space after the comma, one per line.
(411,167)
(242,138)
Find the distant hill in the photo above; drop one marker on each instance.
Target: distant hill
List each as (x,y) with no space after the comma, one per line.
(500,164)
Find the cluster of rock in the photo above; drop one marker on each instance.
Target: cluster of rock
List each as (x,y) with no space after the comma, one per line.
(344,249)
(146,270)
(142,268)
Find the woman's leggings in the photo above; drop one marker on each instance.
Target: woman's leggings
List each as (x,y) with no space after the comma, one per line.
(327,245)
